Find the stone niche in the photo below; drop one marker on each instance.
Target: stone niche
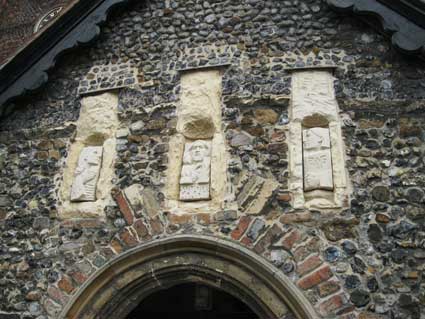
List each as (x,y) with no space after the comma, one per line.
(196,175)
(318,177)
(86,181)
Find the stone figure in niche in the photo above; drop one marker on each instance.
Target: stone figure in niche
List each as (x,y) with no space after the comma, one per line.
(195,173)
(86,174)
(317,159)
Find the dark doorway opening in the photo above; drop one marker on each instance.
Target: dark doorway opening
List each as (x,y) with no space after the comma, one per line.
(192,301)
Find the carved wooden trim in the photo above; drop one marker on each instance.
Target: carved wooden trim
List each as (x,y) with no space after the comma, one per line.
(406,35)
(28,70)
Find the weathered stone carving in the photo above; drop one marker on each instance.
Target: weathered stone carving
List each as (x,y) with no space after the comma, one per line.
(86,174)
(195,173)
(317,159)
(318,178)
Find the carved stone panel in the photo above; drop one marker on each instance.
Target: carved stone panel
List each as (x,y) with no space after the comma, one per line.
(195,173)
(317,159)
(86,174)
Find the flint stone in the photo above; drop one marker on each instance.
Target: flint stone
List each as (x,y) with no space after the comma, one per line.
(360,297)
(352,281)
(374,233)
(402,230)
(5,201)
(415,194)
(137,127)
(381,193)
(332,254)
(256,229)
(372,284)
(358,265)
(398,255)
(41,223)
(349,247)
(241,139)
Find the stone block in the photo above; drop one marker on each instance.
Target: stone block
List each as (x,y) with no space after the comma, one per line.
(133,194)
(317,159)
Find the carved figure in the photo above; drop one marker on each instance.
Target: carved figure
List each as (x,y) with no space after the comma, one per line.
(195,173)
(317,159)
(86,174)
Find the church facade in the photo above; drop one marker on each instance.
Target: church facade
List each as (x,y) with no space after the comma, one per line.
(254,158)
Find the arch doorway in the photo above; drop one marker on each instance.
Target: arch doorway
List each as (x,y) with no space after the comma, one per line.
(231,272)
(192,301)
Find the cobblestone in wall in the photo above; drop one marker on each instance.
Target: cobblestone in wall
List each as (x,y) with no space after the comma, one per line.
(108,77)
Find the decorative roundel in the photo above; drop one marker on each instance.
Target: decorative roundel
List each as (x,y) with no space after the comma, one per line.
(47,18)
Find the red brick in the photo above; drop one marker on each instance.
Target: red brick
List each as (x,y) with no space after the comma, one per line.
(311,246)
(179,219)
(246,241)
(65,284)
(78,277)
(311,280)
(332,304)
(128,238)
(116,246)
(271,236)
(57,295)
(156,226)
(124,207)
(286,197)
(290,239)
(241,228)
(308,265)
(328,287)
(141,229)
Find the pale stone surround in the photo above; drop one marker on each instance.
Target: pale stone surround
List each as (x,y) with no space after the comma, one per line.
(199,118)
(96,129)
(313,105)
